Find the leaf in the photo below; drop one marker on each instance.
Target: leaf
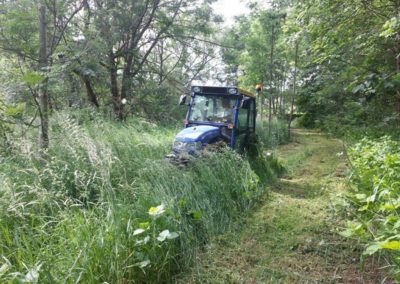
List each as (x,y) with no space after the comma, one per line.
(196,215)
(372,249)
(353,229)
(15,111)
(32,78)
(138,231)
(144,225)
(359,88)
(397,224)
(166,234)
(4,268)
(144,263)
(387,207)
(392,245)
(163,235)
(33,274)
(346,233)
(144,241)
(360,196)
(155,211)
(173,235)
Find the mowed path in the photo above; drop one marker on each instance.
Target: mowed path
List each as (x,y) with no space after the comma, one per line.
(292,235)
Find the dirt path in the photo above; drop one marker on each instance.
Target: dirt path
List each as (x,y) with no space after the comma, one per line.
(292,236)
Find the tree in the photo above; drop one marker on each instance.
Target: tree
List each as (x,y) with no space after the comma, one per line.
(129,34)
(33,47)
(43,96)
(352,44)
(257,55)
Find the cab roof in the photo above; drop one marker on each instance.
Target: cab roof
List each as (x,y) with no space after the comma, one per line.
(221,91)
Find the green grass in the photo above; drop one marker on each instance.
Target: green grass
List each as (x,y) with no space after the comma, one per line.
(278,136)
(87,215)
(292,237)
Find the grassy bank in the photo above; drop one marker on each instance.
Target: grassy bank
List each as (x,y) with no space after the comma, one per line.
(107,207)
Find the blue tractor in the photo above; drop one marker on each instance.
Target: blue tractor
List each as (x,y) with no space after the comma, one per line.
(217,115)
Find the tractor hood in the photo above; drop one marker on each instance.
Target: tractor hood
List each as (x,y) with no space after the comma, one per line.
(192,139)
(201,133)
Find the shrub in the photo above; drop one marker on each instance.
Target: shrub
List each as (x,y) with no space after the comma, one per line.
(375,196)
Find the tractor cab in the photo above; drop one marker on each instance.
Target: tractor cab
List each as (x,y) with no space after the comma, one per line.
(217,114)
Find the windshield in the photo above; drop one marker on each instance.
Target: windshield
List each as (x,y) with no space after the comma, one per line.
(212,108)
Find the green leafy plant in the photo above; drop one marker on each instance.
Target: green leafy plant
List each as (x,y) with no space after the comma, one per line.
(375,196)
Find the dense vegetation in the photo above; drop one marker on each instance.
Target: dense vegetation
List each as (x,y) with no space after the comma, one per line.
(88,110)
(108,207)
(339,61)
(374,196)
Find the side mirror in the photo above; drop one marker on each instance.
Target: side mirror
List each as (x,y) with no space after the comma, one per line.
(182,100)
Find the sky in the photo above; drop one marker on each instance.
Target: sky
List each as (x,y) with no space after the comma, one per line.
(230,8)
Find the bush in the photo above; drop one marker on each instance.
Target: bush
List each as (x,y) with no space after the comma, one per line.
(375,196)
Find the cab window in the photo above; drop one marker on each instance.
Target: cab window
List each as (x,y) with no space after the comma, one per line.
(243,115)
(252,114)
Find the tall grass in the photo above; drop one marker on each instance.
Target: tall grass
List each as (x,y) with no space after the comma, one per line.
(107,207)
(278,134)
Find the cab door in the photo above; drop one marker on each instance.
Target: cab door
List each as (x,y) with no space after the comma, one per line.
(245,124)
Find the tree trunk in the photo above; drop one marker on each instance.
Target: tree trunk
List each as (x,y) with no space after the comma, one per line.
(261,107)
(398,92)
(269,115)
(43,95)
(92,97)
(90,92)
(271,76)
(296,55)
(126,75)
(116,98)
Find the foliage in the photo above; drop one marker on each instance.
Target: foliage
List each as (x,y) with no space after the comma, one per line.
(375,197)
(141,51)
(10,115)
(351,78)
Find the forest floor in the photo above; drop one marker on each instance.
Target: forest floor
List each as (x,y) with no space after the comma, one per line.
(292,234)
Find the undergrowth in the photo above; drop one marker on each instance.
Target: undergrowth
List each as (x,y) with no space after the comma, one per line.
(275,135)
(374,197)
(107,207)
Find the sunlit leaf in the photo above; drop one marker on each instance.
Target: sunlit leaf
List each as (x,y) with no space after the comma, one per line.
(138,231)
(391,245)
(155,211)
(144,263)
(144,225)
